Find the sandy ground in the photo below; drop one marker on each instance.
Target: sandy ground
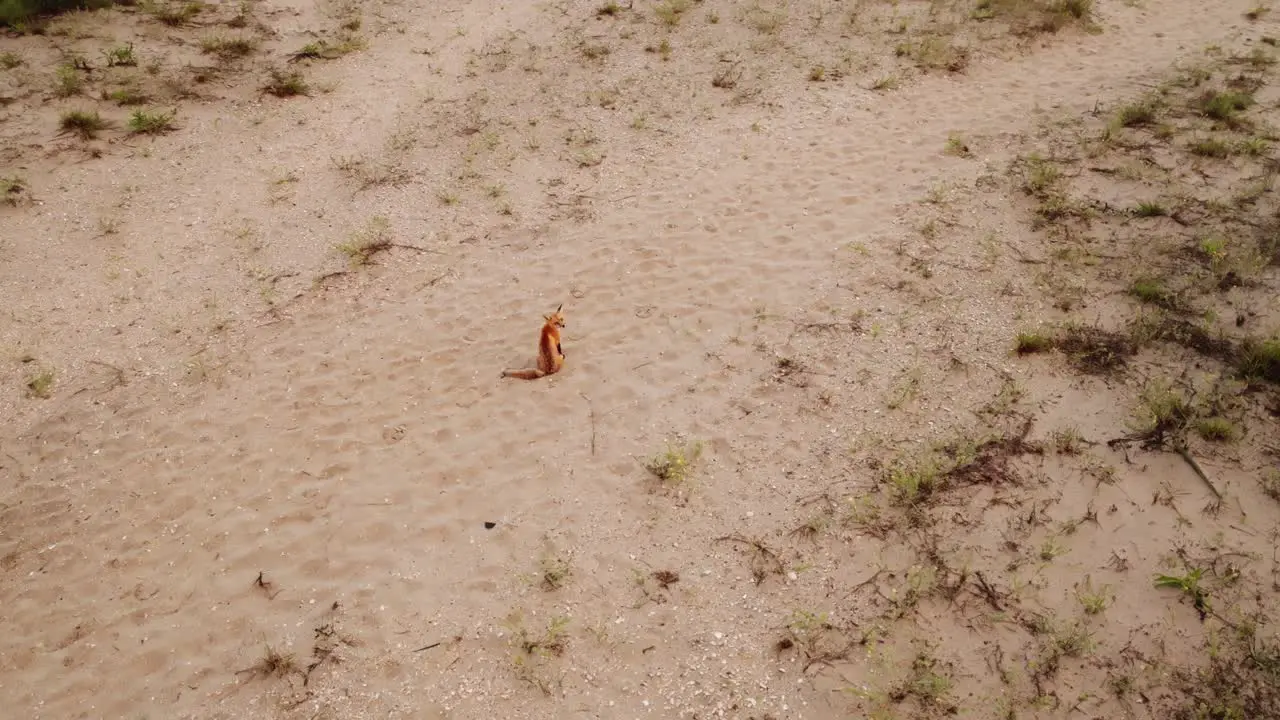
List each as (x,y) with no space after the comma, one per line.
(257,458)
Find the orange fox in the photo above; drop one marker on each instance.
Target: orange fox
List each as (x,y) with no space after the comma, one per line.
(550,356)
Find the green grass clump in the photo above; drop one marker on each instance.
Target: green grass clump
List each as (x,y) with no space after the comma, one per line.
(142,122)
(40,384)
(1216,429)
(172,13)
(1260,359)
(1225,105)
(1212,148)
(1138,114)
(18,14)
(1149,290)
(287,84)
(670,12)
(84,123)
(228,48)
(127,95)
(673,466)
(67,81)
(121,56)
(1030,343)
(1150,209)
(324,50)
(12,190)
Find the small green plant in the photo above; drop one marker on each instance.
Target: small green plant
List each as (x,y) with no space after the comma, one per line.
(40,384)
(1212,148)
(817,73)
(1139,114)
(1072,641)
(1030,343)
(1041,176)
(286,84)
(228,48)
(1066,441)
(10,60)
(172,13)
(913,482)
(670,12)
(925,683)
(1162,410)
(1214,249)
(121,56)
(609,9)
(142,122)
(12,190)
(1189,585)
(673,466)
(553,572)
(325,50)
(84,123)
(886,82)
(1224,106)
(1253,147)
(1093,601)
(1150,290)
(67,81)
(1270,483)
(599,51)
(1217,429)
(1150,209)
(957,146)
(373,238)
(1051,549)
(1259,359)
(127,95)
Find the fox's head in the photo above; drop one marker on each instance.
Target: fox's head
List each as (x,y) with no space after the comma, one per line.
(555,319)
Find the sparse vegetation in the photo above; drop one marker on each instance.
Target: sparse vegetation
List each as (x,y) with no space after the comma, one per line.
(286,84)
(1030,343)
(1216,429)
(85,124)
(172,12)
(127,95)
(1270,483)
(365,244)
(228,48)
(143,122)
(67,81)
(40,383)
(13,190)
(121,56)
(673,466)
(325,50)
(671,12)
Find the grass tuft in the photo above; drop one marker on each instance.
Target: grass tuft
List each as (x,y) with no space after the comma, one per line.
(40,384)
(142,122)
(673,466)
(286,84)
(1030,343)
(84,123)
(227,48)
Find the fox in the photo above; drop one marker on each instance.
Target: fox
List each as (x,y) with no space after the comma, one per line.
(550,354)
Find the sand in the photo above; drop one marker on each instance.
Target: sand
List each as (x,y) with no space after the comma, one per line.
(270,481)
